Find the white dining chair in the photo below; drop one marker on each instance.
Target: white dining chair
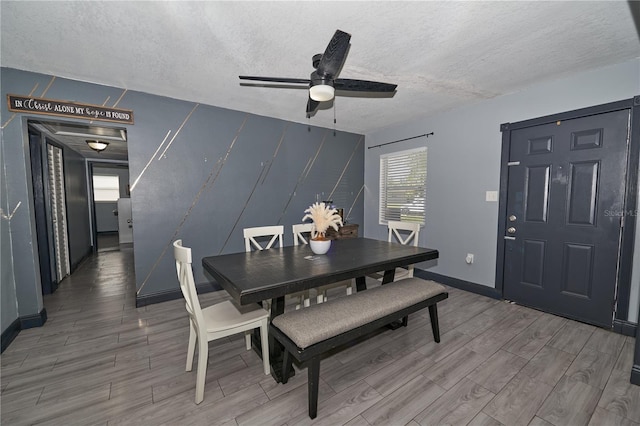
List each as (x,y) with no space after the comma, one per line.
(215,322)
(274,233)
(301,235)
(405,233)
(270,237)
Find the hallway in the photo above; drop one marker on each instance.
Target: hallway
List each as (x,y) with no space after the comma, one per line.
(100,361)
(108,241)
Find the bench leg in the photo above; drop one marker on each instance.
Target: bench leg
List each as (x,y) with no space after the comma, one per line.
(314,379)
(286,366)
(433,314)
(405,321)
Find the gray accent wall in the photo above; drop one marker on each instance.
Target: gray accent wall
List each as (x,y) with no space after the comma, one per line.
(21,246)
(225,171)
(464,162)
(197,172)
(8,299)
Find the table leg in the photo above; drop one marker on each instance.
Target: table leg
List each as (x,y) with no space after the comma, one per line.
(361,284)
(276,350)
(388,278)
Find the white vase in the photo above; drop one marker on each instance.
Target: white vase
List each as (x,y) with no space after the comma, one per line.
(319,246)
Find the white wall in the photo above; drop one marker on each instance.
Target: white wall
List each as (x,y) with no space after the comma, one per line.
(464,162)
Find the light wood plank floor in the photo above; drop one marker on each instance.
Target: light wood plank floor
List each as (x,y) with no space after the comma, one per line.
(100,361)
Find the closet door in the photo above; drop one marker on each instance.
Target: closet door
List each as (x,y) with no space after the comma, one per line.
(58,210)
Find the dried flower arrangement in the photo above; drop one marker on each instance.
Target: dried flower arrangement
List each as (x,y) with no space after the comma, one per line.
(323,217)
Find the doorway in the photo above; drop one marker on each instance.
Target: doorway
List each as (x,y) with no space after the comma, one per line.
(566,184)
(60,155)
(111,205)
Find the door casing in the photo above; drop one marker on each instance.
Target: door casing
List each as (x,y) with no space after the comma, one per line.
(630,198)
(47,274)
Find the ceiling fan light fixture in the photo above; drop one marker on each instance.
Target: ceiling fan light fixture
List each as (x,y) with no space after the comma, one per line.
(97,145)
(321,92)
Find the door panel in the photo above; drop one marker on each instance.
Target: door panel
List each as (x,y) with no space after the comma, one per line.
(577,269)
(561,246)
(537,196)
(533,262)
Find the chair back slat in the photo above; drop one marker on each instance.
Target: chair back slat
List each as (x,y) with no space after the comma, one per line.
(250,234)
(395,234)
(405,233)
(298,233)
(187,283)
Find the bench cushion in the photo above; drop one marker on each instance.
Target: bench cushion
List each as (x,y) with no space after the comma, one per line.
(308,326)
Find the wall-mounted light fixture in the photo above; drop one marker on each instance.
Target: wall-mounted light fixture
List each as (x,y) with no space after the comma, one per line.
(97,145)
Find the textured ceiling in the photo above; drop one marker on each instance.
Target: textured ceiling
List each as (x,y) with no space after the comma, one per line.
(440,54)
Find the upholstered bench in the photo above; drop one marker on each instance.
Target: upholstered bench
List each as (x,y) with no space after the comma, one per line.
(307,334)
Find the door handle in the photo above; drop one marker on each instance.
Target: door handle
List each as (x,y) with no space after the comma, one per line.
(511,230)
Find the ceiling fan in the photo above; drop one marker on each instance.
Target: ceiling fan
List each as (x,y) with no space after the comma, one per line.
(323,82)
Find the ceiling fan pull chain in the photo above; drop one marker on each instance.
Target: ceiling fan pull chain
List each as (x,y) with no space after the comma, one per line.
(334,116)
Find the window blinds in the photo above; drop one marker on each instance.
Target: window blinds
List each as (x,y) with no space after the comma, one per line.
(403,181)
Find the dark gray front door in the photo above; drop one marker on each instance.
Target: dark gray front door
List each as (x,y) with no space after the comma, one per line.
(565,198)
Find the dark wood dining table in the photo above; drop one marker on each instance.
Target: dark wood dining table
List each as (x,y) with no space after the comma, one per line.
(252,277)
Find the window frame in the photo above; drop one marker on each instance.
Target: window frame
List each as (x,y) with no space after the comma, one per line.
(383,207)
(98,190)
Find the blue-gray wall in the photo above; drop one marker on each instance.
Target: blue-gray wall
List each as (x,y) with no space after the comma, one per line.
(464,162)
(197,172)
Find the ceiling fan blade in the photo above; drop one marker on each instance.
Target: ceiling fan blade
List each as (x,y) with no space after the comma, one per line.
(334,56)
(276,79)
(312,106)
(363,85)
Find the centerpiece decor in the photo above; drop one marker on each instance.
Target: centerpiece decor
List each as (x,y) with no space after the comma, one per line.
(323,217)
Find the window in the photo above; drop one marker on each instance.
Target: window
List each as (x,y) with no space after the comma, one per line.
(403,183)
(106,187)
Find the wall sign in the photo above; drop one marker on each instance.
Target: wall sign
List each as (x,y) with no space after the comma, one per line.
(68,109)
